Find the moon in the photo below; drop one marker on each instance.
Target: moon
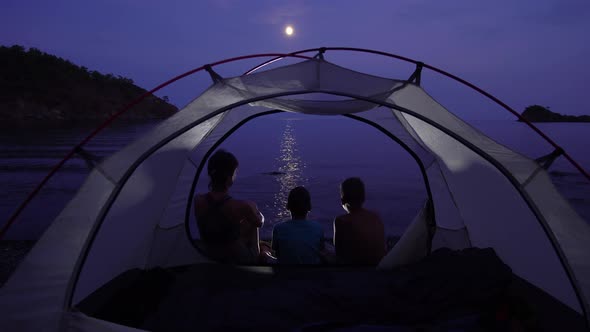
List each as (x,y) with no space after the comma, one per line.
(289,30)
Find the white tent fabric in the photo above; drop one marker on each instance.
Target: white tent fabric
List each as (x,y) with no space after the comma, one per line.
(412,246)
(131,213)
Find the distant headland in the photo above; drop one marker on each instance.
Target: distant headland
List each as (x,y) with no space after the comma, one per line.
(40,88)
(536,113)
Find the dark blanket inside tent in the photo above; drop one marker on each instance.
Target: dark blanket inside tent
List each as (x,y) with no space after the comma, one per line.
(220,297)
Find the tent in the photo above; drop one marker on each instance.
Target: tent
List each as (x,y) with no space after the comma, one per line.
(133,209)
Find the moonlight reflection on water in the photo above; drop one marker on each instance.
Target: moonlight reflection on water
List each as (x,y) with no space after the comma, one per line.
(292,166)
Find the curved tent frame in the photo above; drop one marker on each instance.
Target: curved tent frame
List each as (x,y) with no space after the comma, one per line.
(276,57)
(403,111)
(539,216)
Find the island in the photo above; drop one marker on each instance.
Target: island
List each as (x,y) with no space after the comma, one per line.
(40,88)
(536,113)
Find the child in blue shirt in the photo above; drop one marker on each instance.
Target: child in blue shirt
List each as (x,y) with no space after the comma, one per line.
(298,241)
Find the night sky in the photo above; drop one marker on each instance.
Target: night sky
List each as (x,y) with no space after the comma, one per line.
(525,52)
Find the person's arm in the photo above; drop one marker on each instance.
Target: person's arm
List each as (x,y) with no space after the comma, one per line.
(274,243)
(335,239)
(261,218)
(382,234)
(322,237)
(253,215)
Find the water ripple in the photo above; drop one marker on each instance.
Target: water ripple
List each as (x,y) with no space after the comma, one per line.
(292,165)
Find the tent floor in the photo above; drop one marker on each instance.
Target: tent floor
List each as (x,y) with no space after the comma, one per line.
(449,290)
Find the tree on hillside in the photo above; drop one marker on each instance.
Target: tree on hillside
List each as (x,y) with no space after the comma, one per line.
(37,85)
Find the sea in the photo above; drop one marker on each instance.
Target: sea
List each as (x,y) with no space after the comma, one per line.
(277,153)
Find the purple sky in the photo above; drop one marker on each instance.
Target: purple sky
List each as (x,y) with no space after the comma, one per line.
(525,52)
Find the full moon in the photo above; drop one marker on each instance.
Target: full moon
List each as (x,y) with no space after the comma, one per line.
(289,30)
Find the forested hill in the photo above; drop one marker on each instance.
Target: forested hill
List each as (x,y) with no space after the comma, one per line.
(36,87)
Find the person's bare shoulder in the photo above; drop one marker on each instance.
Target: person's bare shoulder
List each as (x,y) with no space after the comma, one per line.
(374,216)
(243,205)
(339,220)
(249,211)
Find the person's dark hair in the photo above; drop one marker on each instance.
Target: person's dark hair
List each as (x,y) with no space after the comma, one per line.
(221,166)
(352,191)
(299,201)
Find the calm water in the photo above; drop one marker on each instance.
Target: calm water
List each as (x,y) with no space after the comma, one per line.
(314,151)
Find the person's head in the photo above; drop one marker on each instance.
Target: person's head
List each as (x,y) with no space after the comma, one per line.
(221,168)
(352,193)
(299,202)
